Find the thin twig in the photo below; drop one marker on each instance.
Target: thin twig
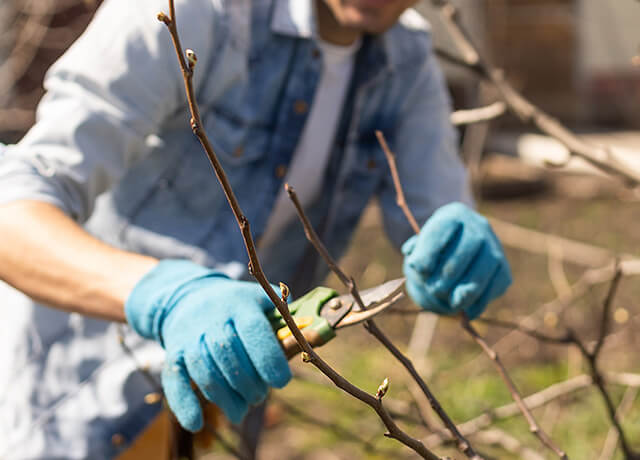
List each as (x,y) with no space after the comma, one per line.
(466,325)
(533,401)
(187,66)
(400,199)
(601,157)
(611,442)
(575,252)
(479,114)
(598,379)
(463,445)
(592,356)
(508,443)
(515,393)
(580,288)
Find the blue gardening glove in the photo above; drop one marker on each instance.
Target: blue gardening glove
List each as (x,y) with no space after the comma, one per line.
(215,333)
(455,263)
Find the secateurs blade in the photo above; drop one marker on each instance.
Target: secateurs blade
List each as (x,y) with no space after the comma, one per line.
(322,311)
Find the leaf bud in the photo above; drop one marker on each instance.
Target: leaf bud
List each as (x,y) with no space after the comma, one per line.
(163,18)
(284,290)
(382,389)
(191,57)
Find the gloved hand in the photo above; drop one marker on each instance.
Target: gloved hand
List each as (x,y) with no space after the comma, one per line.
(215,333)
(455,263)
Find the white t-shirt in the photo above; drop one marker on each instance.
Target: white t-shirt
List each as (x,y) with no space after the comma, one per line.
(307,168)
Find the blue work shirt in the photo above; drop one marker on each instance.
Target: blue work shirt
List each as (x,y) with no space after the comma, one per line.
(112,147)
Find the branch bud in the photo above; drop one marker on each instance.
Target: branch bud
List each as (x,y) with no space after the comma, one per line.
(284,290)
(192,59)
(382,389)
(163,18)
(306,357)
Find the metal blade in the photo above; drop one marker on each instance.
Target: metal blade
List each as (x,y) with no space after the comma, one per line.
(355,317)
(376,300)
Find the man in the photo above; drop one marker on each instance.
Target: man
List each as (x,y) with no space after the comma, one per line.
(289,90)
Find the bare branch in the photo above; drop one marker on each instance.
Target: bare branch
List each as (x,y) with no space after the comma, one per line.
(187,63)
(533,425)
(592,357)
(611,442)
(606,310)
(515,394)
(508,443)
(529,240)
(463,445)
(598,379)
(478,115)
(400,199)
(533,401)
(602,157)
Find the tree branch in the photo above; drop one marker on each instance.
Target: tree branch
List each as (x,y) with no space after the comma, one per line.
(187,62)
(601,157)
(466,325)
(478,115)
(463,445)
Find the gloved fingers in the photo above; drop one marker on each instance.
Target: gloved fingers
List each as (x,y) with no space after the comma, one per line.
(431,243)
(496,287)
(229,354)
(474,282)
(206,375)
(418,292)
(180,396)
(409,245)
(456,260)
(263,349)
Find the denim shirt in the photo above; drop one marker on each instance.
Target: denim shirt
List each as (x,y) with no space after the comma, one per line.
(112,147)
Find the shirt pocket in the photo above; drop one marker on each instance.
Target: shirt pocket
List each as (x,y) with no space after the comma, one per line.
(176,215)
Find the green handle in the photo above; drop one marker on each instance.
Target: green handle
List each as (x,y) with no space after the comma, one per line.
(306,313)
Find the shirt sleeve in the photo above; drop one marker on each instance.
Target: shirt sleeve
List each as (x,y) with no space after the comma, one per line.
(426,147)
(112,89)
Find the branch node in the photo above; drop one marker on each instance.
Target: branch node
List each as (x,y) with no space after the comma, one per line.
(195,127)
(192,59)
(162,17)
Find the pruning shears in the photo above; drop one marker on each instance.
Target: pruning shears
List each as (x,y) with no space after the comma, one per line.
(320,312)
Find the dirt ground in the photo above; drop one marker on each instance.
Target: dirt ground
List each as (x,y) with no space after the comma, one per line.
(311,419)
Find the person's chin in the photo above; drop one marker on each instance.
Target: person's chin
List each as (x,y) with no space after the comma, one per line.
(371,3)
(367,22)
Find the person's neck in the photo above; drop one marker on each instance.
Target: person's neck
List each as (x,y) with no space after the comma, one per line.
(331,30)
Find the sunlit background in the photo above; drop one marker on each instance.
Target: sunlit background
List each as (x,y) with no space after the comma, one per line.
(579,60)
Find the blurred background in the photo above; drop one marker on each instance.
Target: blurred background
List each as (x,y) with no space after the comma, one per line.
(579,60)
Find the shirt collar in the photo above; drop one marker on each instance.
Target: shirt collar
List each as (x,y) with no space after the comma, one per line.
(297,18)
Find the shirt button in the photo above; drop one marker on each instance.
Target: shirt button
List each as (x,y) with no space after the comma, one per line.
(117,440)
(281,171)
(300,107)
(152,398)
(371,164)
(239,151)
(315,53)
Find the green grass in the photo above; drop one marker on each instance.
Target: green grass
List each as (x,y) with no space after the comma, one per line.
(331,425)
